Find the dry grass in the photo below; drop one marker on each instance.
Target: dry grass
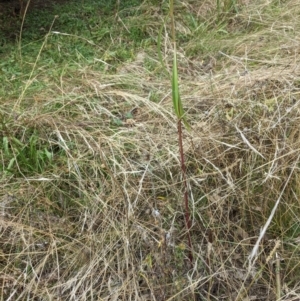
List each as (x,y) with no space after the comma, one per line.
(104,220)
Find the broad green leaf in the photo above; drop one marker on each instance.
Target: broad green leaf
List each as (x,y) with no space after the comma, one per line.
(48,154)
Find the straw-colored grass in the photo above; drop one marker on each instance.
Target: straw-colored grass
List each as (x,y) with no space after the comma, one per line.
(91,186)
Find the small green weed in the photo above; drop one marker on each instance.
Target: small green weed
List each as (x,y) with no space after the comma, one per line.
(24,155)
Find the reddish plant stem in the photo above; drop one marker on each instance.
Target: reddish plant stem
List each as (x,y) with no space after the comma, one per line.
(186,198)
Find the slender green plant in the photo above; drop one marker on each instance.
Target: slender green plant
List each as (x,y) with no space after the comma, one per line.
(228,6)
(178,108)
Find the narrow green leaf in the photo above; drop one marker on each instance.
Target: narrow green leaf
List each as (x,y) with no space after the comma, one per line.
(175,88)
(10,164)
(17,141)
(177,104)
(5,145)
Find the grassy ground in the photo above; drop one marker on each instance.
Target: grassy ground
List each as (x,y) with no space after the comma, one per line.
(91,194)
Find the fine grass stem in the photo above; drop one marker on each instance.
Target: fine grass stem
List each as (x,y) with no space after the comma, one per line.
(278,280)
